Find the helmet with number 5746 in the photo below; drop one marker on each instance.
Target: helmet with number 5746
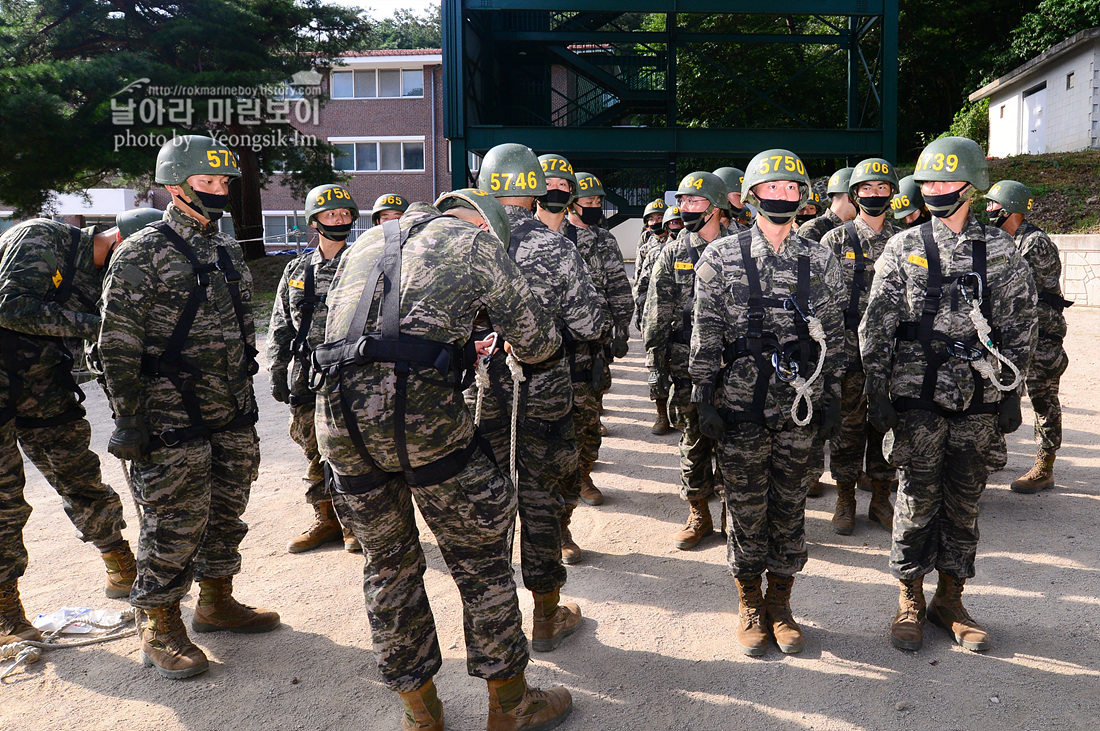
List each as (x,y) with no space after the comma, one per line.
(511,171)
(952,159)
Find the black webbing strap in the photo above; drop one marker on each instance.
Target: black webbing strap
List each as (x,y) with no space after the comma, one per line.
(174,437)
(852,315)
(519,233)
(933,292)
(233,284)
(64,290)
(300,345)
(570,232)
(754,328)
(1055,301)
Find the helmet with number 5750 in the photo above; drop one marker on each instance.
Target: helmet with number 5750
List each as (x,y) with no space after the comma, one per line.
(772,165)
(511,171)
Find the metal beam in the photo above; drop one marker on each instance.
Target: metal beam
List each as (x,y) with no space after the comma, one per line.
(740,7)
(570,37)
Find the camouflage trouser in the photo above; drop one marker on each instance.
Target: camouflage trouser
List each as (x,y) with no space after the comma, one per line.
(471,515)
(943,473)
(857,437)
(765,494)
(61,454)
(696,449)
(1047,366)
(586,424)
(191,497)
(304,434)
(547,463)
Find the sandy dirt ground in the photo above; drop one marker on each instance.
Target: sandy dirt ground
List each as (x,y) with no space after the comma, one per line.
(656,648)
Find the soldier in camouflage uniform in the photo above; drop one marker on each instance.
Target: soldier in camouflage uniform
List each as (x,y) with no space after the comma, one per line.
(920,355)
(1009,203)
(908,204)
(297,327)
(50,279)
(767,326)
(391,431)
(857,244)
(735,216)
(652,233)
(547,458)
(841,208)
(813,208)
(672,222)
(178,351)
(666,335)
(388,206)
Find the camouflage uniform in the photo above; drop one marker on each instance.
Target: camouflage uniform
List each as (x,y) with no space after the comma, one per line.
(857,437)
(941,447)
(1049,361)
(286,318)
(193,483)
(764,454)
(818,227)
(547,460)
(39,406)
(450,270)
(666,332)
(648,251)
(615,289)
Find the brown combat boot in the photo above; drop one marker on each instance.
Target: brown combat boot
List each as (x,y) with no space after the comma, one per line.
(816,488)
(699,525)
(661,426)
(777,606)
(351,543)
(325,529)
(553,622)
(1040,477)
(514,705)
(590,494)
(121,571)
(880,510)
(14,626)
(844,519)
(423,711)
(218,610)
(570,552)
(947,611)
(752,637)
(907,629)
(166,646)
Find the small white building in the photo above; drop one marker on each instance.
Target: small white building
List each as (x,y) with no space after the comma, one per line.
(1049,104)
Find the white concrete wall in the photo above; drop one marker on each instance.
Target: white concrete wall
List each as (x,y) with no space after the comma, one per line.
(1005,120)
(1068,111)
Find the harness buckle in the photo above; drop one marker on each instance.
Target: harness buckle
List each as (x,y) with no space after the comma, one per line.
(966,352)
(785,370)
(791,305)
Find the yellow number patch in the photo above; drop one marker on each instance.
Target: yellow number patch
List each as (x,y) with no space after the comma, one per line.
(57,278)
(296,283)
(918,260)
(850,255)
(683,265)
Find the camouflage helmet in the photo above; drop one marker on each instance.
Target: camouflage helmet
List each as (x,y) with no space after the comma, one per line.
(511,171)
(838,182)
(331,197)
(773,165)
(1014,197)
(556,166)
(908,199)
(387,202)
(655,206)
(131,221)
(873,169)
(952,159)
(485,204)
(733,178)
(672,213)
(707,185)
(588,184)
(183,156)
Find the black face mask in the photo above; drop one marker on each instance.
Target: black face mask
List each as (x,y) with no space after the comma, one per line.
(736,211)
(214,203)
(874,205)
(946,204)
(555,200)
(999,217)
(804,218)
(779,212)
(693,220)
(334,233)
(590,215)
(656,228)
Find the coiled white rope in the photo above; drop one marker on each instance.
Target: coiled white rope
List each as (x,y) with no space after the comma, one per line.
(517,378)
(802,385)
(990,368)
(26,652)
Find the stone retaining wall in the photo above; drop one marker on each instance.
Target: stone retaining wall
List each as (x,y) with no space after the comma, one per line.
(1080,254)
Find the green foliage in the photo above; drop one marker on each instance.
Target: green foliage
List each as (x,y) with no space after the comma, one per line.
(406,29)
(972,121)
(1051,22)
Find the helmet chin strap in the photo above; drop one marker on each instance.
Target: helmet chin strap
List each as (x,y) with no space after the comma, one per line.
(195,204)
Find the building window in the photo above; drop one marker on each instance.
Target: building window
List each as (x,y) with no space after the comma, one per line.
(473,160)
(285,229)
(1002,111)
(1069,80)
(378,84)
(379,155)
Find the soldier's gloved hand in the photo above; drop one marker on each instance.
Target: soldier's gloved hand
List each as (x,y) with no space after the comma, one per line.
(658,385)
(1009,417)
(601,380)
(830,420)
(280,390)
(619,346)
(881,412)
(130,438)
(711,422)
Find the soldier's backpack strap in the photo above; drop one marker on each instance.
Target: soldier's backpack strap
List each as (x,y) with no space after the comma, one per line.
(64,288)
(1055,300)
(570,232)
(852,315)
(233,284)
(299,347)
(519,233)
(683,334)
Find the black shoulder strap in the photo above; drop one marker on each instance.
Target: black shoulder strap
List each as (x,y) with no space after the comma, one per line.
(933,291)
(233,284)
(570,232)
(65,288)
(852,315)
(300,346)
(519,233)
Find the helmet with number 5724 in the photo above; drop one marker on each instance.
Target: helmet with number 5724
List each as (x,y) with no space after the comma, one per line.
(777,164)
(512,171)
(952,159)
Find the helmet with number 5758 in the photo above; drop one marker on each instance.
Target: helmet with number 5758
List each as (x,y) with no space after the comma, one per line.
(331,197)
(953,159)
(511,171)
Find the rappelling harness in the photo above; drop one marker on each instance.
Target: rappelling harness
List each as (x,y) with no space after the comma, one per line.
(299,347)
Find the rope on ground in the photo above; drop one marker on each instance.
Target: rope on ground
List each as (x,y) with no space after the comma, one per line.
(26,652)
(517,378)
(990,368)
(802,385)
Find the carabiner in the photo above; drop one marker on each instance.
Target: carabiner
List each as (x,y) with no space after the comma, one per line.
(791,305)
(966,352)
(979,288)
(785,371)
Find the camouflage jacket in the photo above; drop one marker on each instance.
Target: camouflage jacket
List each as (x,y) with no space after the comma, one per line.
(148,285)
(585,242)
(897,295)
(620,301)
(286,315)
(643,271)
(872,244)
(669,304)
(1041,255)
(33,259)
(721,317)
(450,270)
(818,227)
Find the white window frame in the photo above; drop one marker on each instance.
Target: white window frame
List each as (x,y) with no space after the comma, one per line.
(403,139)
(377,89)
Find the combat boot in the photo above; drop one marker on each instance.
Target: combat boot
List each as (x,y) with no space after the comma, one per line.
(907,629)
(553,622)
(777,606)
(1040,477)
(423,711)
(121,571)
(325,528)
(661,426)
(514,705)
(752,637)
(844,519)
(351,543)
(590,494)
(570,552)
(880,510)
(166,646)
(699,525)
(946,610)
(816,488)
(218,610)
(14,626)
